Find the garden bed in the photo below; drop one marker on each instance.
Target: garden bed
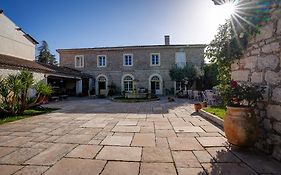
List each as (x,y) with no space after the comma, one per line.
(215,114)
(134,100)
(27,113)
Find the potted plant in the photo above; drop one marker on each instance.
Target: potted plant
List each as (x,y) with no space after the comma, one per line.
(240,123)
(197,107)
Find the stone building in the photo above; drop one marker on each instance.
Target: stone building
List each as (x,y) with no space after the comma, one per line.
(133,67)
(261,65)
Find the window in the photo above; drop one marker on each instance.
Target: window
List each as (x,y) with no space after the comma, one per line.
(180,85)
(79,61)
(128,84)
(180,59)
(101,61)
(155,59)
(128,60)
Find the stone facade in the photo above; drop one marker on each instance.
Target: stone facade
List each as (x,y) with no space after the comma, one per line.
(261,64)
(141,70)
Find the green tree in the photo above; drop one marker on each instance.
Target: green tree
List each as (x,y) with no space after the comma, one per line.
(187,73)
(210,77)
(44,54)
(14,93)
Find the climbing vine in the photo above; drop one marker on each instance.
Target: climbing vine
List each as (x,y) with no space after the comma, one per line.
(232,38)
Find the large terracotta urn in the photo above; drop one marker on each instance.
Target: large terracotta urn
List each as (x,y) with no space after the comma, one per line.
(240,126)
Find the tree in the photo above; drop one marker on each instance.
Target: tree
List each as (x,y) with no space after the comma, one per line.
(44,54)
(14,98)
(210,77)
(187,73)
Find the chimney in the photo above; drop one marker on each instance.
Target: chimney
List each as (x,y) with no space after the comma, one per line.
(1,11)
(167,40)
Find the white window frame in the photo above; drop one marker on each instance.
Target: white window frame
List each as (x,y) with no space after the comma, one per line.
(159,59)
(124,59)
(98,61)
(82,62)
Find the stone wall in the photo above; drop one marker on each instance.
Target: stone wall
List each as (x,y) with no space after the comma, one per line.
(261,64)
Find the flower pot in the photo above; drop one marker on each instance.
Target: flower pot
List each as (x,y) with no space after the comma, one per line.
(204,104)
(197,106)
(241,126)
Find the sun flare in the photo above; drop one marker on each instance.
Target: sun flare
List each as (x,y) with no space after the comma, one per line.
(228,9)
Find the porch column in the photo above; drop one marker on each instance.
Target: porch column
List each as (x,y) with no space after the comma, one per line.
(78,87)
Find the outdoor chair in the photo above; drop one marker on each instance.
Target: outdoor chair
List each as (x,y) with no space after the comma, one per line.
(211,98)
(196,95)
(190,94)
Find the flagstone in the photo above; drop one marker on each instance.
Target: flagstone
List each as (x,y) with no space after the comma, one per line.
(32,170)
(177,143)
(144,139)
(157,169)
(117,140)
(84,151)
(156,154)
(77,166)
(121,168)
(9,169)
(212,141)
(120,153)
(51,155)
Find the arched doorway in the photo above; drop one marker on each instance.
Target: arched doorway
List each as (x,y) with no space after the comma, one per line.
(101,85)
(155,84)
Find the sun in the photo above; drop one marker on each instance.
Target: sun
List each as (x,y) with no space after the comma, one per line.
(228,9)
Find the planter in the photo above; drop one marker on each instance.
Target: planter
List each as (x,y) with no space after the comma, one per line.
(240,126)
(197,107)
(204,104)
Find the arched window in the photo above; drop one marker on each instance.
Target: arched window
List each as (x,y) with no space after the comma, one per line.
(102,79)
(128,84)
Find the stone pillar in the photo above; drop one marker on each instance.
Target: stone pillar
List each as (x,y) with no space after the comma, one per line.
(78,87)
(91,84)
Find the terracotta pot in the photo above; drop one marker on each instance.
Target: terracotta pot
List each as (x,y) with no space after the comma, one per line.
(204,104)
(240,126)
(197,106)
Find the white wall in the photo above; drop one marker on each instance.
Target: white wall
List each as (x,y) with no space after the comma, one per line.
(13,42)
(36,76)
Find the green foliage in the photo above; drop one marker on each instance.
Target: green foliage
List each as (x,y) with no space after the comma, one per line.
(45,55)
(238,95)
(14,93)
(189,73)
(43,89)
(210,77)
(232,38)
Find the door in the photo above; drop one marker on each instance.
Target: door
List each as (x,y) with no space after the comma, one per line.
(155,87)
(102,87)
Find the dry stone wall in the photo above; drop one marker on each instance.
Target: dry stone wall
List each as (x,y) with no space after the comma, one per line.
(261,64)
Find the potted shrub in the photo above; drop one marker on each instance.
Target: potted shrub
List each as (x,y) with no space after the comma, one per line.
(240,123)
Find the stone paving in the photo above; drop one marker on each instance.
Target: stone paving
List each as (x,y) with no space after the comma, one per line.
(94,136)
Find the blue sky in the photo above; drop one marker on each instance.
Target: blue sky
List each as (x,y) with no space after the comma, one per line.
(96,23)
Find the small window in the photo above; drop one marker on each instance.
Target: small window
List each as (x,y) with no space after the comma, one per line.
(128,60)
(101,61)
(155,59)
(79,61)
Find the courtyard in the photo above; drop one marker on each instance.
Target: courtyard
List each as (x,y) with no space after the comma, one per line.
(98,136)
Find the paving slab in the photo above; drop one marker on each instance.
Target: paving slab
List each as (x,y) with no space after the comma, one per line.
(120,153)
(185,159)
(9,169)
(181,144)
(117,140)
(6,150)
(51,155)
(79,139)
(77,166)
(20,156)
(188,129)
(32,170)
(156,154)
(84,151)
(143,139)
(121,168)
(126,129)
(191,171)
(157,169)
(212,141)
(227,169)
